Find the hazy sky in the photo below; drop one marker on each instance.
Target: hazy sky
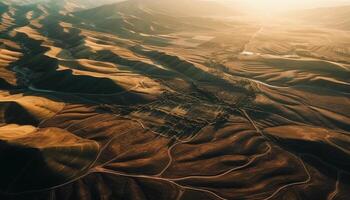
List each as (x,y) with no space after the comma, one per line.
(273,5)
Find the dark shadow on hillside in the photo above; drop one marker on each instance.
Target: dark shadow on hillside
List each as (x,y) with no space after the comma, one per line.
(39,74)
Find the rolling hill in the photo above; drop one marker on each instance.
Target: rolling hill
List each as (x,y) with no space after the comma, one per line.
(171,100)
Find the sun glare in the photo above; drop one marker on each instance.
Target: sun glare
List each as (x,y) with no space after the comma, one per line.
(272,5)
(269,6)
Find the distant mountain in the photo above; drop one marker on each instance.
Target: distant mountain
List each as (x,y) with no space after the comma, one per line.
(180,8)
(74,4)
(154,16)
(185,7)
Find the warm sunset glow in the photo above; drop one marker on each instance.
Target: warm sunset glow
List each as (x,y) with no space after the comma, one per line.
(275,5)
(270,6)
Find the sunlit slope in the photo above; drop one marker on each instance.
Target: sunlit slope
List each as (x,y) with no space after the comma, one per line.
(38,159)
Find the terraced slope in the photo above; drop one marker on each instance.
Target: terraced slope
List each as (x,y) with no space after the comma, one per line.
(126,102)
